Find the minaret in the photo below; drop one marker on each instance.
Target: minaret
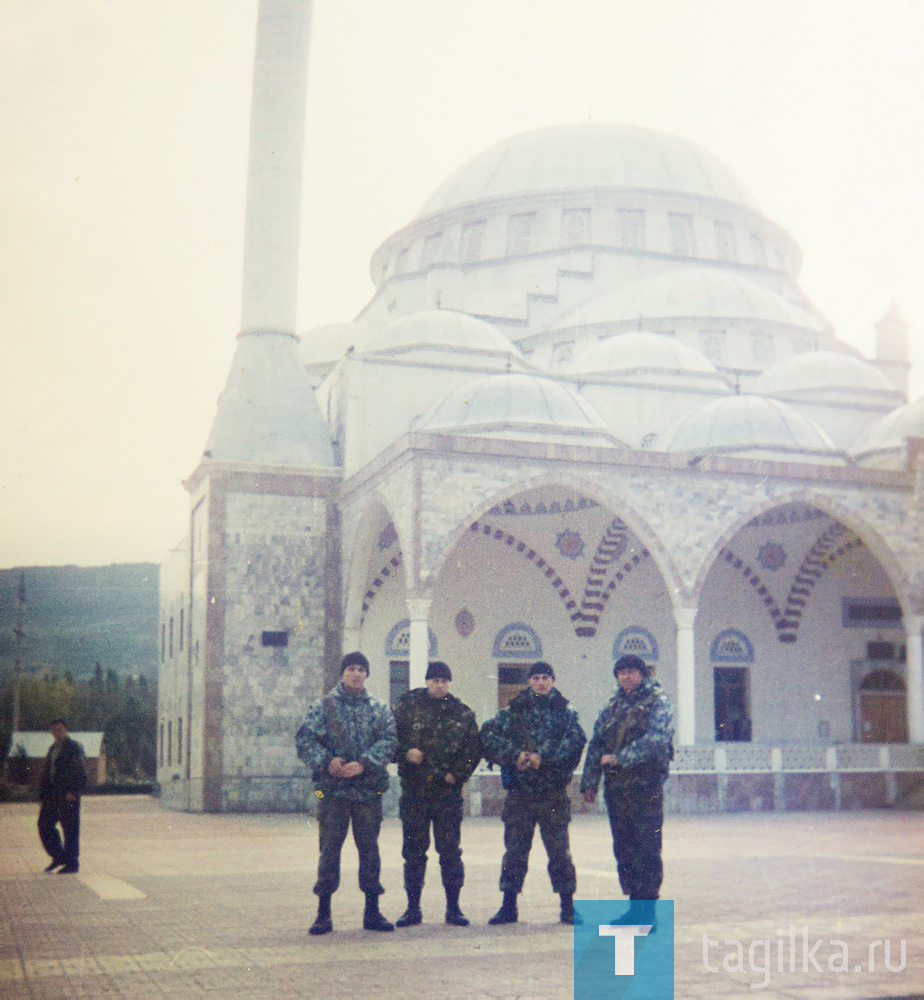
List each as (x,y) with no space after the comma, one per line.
(892,348)
(264,585)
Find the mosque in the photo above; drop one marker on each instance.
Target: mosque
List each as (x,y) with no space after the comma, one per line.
(588,410)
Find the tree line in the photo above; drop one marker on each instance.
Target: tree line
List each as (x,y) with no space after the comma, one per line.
(124,709)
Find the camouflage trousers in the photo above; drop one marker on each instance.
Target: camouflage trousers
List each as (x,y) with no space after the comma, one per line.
(334,818)
(444,812)
(552,811)
(636,817)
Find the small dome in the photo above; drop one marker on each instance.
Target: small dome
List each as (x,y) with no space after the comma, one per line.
(745,425)
(326,345)
(589,156)
(817,372)
(688,293)
(518,406)
(882,445)
(441,329)
(642,354)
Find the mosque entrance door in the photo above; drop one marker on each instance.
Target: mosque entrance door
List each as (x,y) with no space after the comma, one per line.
(883,717)
(732,704)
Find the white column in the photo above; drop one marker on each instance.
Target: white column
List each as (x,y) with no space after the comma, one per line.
(915,696)
(418,610)
(686,677)
(274,178)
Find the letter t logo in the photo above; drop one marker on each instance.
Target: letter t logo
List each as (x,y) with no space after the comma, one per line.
(624,944)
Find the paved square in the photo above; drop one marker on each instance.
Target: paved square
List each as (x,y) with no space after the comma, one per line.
(175,905)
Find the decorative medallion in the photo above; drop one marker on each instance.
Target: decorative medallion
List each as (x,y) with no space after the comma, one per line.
(569,543)
(772,556)
(465,623)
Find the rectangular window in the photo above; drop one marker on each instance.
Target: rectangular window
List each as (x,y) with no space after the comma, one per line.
(275,639)
(630,228)
(520,233)
(575,227)
(868,613)
(472,237)
(758,251)
(399,679)
(431,248)
(170,635)
(681,227)
(712,344)
(725,245)
(179,740)
(562,352)
(169,741)
(182,626)
(160,745)
(163,642)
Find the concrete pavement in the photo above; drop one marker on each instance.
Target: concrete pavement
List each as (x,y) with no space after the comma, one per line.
(175,905)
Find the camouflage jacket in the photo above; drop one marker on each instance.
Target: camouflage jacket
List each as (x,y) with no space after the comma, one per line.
(354,727)
(446,731)
(545,724)
(638,728)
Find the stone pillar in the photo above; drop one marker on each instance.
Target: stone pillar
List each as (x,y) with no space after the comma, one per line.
(686,677)
(915,696)
(418,610)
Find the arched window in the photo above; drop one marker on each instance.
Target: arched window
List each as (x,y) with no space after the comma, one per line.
(731,646)
(398,643)
(637,640)
(517,642)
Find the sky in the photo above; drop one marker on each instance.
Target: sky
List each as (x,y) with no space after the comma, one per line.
(123,174)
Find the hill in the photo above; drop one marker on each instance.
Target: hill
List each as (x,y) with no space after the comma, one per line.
(78,616)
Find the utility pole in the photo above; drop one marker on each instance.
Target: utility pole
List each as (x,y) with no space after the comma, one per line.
(18,636)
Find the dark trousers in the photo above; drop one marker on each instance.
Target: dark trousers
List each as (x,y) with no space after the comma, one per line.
(636,818)
(57,810)
(521,813)
(444,813)
(334,818)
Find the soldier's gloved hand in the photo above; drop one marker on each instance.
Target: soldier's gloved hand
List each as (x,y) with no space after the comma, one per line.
(414,756)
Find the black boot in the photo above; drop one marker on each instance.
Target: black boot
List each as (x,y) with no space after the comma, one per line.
(568,916)
(412,915)
(322,922)
(454,915)
(507,914)
(640,912)
(372,919)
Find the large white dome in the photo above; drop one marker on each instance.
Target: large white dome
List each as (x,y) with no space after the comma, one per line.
(688,293)
(588,156)
(518,406)
(882,445)
(822,372)
(750,426)
(441,328)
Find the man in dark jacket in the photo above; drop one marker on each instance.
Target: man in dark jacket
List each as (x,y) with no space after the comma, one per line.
(632,747)
(347,741)
(64,777)
(537,742)
(438,749)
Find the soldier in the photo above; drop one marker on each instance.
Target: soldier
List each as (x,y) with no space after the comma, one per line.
(438,749)
(632,747)
(347,740)
(537,742)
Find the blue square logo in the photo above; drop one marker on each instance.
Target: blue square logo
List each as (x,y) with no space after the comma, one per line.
(623,952)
